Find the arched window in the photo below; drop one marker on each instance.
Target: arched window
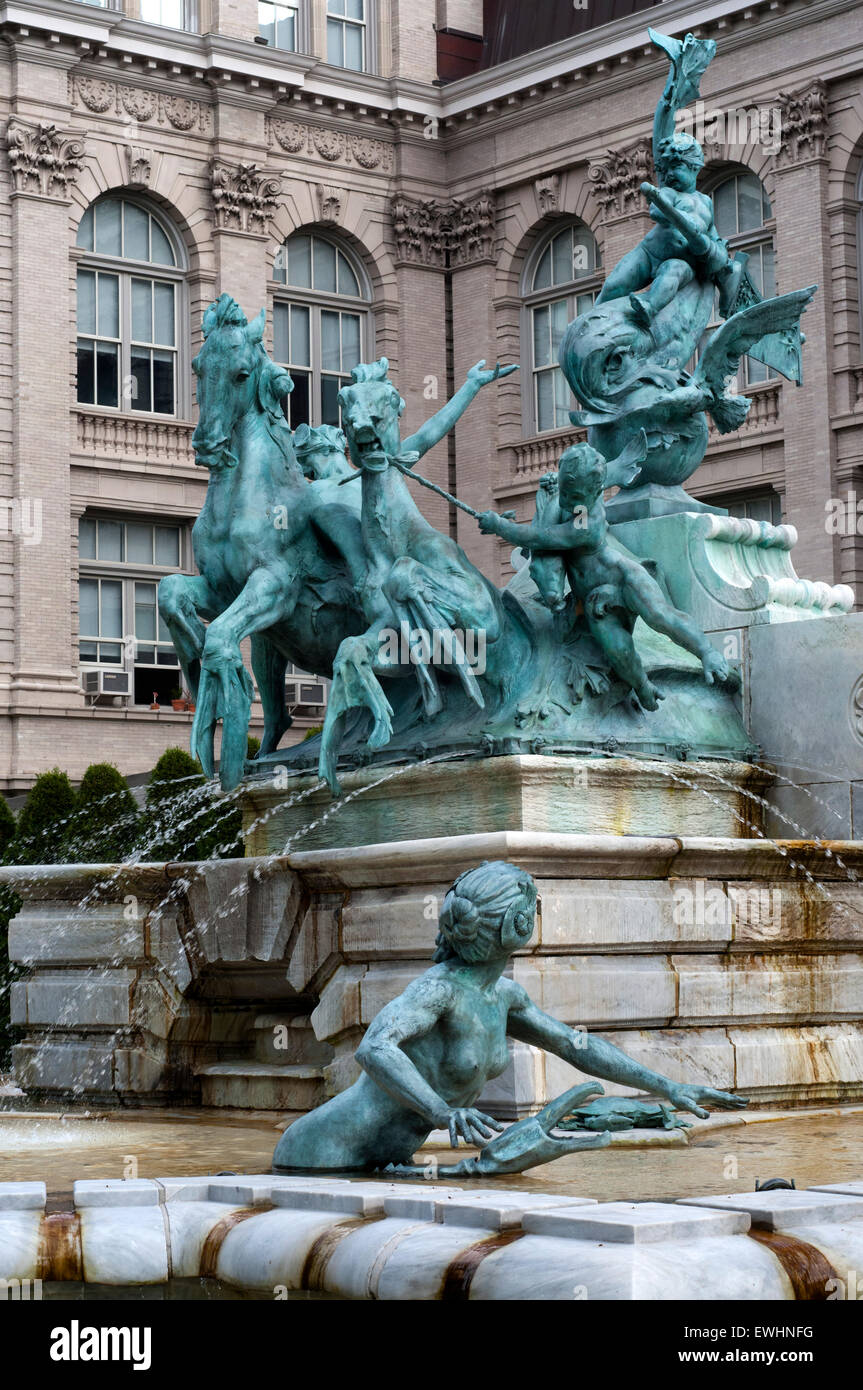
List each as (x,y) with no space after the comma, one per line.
(562,279)
(321,324)
(744,218)
(130,283)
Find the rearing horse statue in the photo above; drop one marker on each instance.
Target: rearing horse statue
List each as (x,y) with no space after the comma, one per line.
(279,558)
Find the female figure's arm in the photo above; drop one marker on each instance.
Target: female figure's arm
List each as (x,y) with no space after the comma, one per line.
(596,1057)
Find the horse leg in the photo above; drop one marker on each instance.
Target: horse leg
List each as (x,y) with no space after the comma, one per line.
(183,598)
(226,691)
(269,667)
(356,685)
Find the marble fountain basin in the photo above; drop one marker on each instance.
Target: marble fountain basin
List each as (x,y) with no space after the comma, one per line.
(655,1216)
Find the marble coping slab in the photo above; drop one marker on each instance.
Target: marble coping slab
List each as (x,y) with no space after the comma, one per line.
(401,1240)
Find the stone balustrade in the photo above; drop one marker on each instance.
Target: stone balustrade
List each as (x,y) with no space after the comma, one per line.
(140,438)
(539,455)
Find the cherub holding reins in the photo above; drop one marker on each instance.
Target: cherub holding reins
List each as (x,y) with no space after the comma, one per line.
(613,587)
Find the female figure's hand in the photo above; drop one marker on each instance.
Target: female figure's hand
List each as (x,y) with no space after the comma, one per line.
(472,1126)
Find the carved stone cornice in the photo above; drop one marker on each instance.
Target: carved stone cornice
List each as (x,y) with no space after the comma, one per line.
(244,196)
(140,105)
(803,125)
(442,234)
(617,179)
(43,159)
(325,142)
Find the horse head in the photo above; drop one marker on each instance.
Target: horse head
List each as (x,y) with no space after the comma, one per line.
(235,375)
(371,407)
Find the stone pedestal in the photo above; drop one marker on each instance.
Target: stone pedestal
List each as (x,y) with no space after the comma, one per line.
(560,795)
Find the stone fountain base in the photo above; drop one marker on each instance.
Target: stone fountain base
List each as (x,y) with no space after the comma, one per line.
(739,962)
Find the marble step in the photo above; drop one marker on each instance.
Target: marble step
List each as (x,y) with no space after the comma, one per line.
(250,1085)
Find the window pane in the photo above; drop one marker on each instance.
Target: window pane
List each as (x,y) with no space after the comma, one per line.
(331,358)
(350,341)
(330,388)
(280,262)
(354,9)
(85,231)
(86,374)
(336,6)
(111,605)
(163,313)
(164,636)
(86,301)
(324,265)
(111,540)
(583,257)
(559,320)
(285,36)
(354,47)
(561,399)
(281,333)
(108,300)
(141,391)
(542,278)
(297,403)
(145,612)
(88,607)
(300,336)
(541,338)
(87,539)
(107,236)
(335,43)
(107,384)
(300,261)
(561,258)
(748,203)
(110,653)
(142,311)
(266,22)
(168,546)
(768,272)
(136,228)
(348,282)
(725,209)
(583,302)
(163,382)
(161,250)
(88,651)
(544,401)
(139,543)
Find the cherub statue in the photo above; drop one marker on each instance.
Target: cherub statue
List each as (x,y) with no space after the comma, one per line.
(684,243)
(612,585)
(429,1053)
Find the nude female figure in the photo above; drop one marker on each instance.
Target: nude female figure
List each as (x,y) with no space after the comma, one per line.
(429,1053)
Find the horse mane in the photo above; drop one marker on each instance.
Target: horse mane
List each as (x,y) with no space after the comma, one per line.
(225,312)
(370,371)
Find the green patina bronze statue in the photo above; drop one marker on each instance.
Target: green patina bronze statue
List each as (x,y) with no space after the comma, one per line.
(428,1055)
(626,358)
(311,544)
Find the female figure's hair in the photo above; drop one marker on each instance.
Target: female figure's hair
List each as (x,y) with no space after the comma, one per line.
(487,910)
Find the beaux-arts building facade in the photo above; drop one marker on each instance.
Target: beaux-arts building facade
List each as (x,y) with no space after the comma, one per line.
(152,159)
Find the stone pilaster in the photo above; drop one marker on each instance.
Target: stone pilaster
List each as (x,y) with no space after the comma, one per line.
(44,160)
(803,258)
(244,194)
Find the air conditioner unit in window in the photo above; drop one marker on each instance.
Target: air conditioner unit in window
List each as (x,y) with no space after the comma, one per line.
(308,692)
(105,684)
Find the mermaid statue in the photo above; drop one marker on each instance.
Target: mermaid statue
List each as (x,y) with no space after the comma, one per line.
(429,1053)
